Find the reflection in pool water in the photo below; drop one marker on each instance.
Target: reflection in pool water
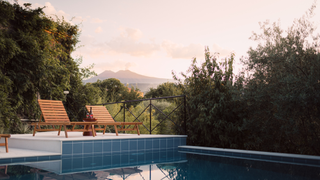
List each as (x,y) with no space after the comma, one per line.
(158,165)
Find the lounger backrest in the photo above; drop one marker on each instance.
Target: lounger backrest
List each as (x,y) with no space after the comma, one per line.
(101,114)
(53,111)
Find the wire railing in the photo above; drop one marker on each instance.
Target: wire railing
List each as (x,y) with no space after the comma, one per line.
(180,102)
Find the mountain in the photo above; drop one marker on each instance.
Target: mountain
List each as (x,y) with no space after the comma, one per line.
(126,76)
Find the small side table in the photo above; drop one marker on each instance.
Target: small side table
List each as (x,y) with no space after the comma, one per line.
(89,132)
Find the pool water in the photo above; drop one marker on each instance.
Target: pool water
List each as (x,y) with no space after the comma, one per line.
(187,166)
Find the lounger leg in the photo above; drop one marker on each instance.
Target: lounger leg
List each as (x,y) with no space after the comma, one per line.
(59,130)
(34,130)
(116,129)
(137,130)
(65,130)
(93,130)
(104,130)
(7,145)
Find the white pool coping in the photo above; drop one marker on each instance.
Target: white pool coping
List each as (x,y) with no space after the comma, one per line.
(254,152)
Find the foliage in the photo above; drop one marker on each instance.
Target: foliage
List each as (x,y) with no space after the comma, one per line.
(282,92)
(164,90)
(212,120)
(117,113)
(112,90)
(35,53)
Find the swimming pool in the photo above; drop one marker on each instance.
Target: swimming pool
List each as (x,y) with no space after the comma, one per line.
(168,164)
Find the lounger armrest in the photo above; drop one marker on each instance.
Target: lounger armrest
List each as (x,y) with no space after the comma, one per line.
(5,135)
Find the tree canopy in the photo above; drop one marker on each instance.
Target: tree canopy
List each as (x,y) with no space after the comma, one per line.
(35,53)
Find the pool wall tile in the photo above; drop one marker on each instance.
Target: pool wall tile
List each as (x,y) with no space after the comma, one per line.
(88,147)
(256,155)
(77,148)
(133,145)
(141,144)
(115,146)
(124,146)
(97,147)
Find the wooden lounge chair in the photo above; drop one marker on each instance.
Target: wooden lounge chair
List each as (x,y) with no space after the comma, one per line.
(104,118)
(54,113)
(6,136)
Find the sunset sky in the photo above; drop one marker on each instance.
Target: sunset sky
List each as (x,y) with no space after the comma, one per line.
(153,38)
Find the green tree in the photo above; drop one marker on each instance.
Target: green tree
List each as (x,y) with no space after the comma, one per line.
(164,90)
(282,92)
(35,53)
(209,92)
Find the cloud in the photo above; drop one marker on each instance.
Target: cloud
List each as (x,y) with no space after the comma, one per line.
(192,50)
(87,40)
(96,20)
(128,43)
(79,19)
(51,11)
(222,51)
(98,30)
(128,65)
(115,65)
(181,51)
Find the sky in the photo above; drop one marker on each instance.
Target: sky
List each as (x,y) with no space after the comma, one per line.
(156,37)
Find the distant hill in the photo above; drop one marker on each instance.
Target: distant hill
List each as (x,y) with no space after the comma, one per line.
(131,78)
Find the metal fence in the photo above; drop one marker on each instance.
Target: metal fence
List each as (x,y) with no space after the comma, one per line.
(179,100)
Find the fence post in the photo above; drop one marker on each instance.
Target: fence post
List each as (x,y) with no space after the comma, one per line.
(150,117)
(124,112)
(185,114)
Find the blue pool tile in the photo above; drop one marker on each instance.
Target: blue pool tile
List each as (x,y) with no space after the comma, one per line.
(124,145)
(88,147)
(97,147)
(97,161)
(107,161)
(277,158)
(87,162)
(77,148)
(141,144)
(265,157)
(43,158)
(169,143)
(246,155)
(75,156)
(116,159)
(287,159)
(31,159)
(312,161)
(67,149)
(183,141)
(205,151)
(58,157)
(148,144)
(66,164)
(148,157)
(124,159)
(163,155)
(133,157)
(4,161)
(14,160)
(66,142)
(141,157)
(133,145)
(106,145)
(115,146)
(155,144)
(176,142)
(255,156)
(163,143)
(299,160)
(77,163)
